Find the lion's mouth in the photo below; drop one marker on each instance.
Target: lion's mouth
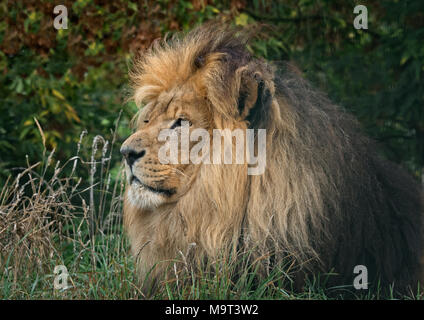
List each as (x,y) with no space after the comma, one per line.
(166,192)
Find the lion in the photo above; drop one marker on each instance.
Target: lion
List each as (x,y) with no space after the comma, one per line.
(326,201)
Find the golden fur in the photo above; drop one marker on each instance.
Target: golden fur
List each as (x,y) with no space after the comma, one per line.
(326,200)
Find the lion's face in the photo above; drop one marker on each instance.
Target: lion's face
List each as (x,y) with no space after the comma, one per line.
(152,183)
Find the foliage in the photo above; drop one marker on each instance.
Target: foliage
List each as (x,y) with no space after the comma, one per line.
(76,79)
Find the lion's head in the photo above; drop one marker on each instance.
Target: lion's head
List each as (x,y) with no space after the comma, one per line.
(182,84)
(322,199)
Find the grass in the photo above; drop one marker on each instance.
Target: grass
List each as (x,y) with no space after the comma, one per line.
(49,216)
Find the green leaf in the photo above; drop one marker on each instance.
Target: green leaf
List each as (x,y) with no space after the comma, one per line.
(241,19)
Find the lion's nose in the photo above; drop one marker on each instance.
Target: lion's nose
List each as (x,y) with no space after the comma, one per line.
(131,155)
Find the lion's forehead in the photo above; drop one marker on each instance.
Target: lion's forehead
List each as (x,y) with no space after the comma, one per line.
(174,102)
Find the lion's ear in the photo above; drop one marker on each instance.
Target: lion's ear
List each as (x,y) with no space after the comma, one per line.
(254,100)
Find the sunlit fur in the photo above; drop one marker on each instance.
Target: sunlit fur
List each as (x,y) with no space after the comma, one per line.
(327,201)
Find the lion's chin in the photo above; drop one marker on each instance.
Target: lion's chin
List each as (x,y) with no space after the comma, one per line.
(143,198)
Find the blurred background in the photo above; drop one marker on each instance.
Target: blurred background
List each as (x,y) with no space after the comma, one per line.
(75,79)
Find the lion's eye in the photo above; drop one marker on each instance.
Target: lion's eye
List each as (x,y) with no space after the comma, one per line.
(178,123)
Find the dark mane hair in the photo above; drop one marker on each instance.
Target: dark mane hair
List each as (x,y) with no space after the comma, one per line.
(373,209)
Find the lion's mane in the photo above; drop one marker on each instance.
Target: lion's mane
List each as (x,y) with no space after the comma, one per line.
(327,200)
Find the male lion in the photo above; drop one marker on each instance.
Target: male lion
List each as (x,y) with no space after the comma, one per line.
(326,201)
